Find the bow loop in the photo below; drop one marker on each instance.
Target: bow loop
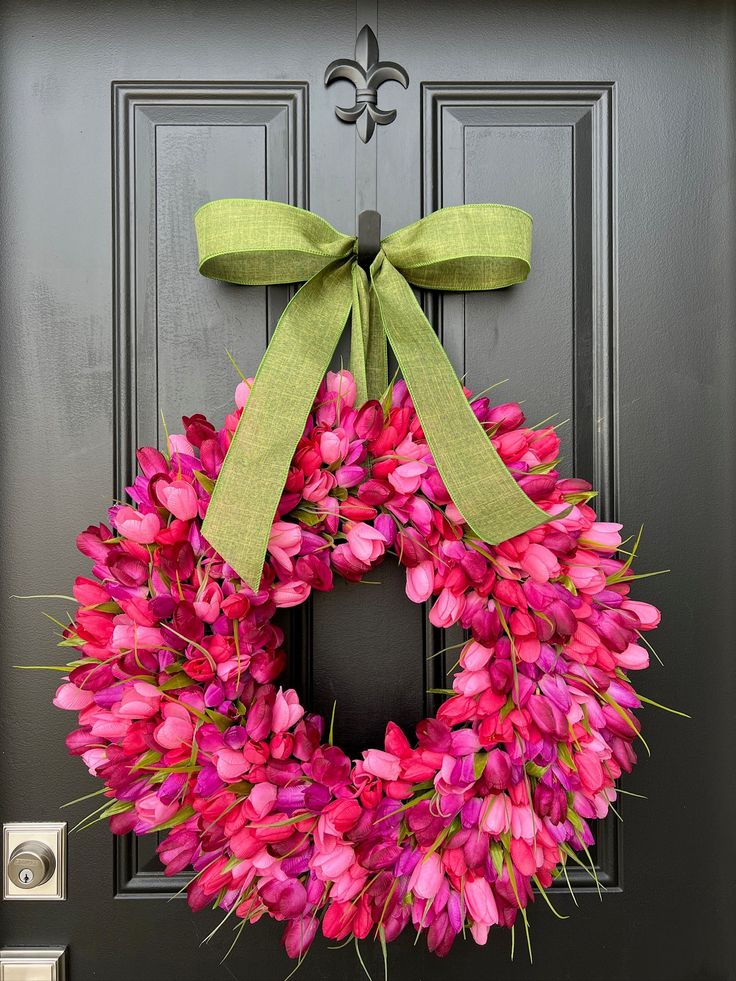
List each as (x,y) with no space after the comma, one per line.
(467,247)
(264,243)
(255,242)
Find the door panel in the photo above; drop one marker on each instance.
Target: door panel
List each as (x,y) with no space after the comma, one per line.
(612,124)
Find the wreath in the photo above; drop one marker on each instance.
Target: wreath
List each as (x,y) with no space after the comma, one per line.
(182,718)
(181,714)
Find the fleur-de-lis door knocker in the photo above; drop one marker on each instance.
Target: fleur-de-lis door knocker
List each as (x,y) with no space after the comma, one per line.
(366,73)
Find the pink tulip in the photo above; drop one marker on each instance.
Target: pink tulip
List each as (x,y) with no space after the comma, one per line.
(407,477)
(176,730)
(331,861)
(180,498)
(137,527)
(447,608)
(480,901)
(349,476)
(231,764)
(207,607)
(73,698)
(93,758)
(427,877)
(380,764)
(365,542)
(333,446)
(259,801)
(152,812)
(319,486)
(291,593)
(475,656)
(647,615)
(634,658)
(180,445)
(286,710)
(242,392)
(299,934)
(420,581)
(603,536)
(140,701)
(343,385)
(540,563)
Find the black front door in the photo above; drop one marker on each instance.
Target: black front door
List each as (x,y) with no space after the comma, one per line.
(612,124)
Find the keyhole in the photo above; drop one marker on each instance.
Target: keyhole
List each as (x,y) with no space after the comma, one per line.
(25,876)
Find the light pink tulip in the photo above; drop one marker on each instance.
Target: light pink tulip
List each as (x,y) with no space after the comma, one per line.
(286,710)
(333,446)
(365,542)
(407,477)
(420,581)
(447,609)
(140,528)
(380,764)
(647,615)
(343,383)
(152,812)
(635,657)
(180,498)
(475,656)
(180,444)
(70,697)
(540,563)
(242,392)
(427,877)
(176,730)
(140,701)
(480,901)
(230,764)
(291,593)
(603,536)
(331,861)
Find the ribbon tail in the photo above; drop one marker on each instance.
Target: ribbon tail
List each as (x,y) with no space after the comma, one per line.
(254,472)
(478,481)
(368,353)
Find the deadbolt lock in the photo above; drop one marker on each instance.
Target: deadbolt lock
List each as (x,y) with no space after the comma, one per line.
(31,864)
(34,860)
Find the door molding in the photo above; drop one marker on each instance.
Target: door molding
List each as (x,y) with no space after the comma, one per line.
(279,112)
(587,111)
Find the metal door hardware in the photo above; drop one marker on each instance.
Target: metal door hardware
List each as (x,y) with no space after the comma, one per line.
(33,964)
(366,73)
(34,860)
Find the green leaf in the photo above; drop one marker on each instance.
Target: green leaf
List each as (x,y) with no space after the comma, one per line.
(180,680)
(564,754)
(497,856)
(534,770)
(205,481)
(150,757)
(332,723)
(479,764)
(308,518)
(665,708)
(179,818)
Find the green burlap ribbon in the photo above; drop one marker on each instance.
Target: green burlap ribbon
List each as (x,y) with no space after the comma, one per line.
(255,242)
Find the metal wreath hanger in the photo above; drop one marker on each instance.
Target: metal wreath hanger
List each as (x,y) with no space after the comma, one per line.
(367,74)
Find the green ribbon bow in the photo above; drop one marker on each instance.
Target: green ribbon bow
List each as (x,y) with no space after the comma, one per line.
(257,243)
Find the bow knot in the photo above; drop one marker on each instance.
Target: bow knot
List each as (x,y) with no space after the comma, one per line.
(255,242)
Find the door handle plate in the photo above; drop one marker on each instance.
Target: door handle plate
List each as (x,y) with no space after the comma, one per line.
(33,964)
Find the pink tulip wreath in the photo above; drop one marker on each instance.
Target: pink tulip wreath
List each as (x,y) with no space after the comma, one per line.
(182,718)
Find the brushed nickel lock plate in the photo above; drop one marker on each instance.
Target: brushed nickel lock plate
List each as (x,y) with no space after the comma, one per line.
(34,860)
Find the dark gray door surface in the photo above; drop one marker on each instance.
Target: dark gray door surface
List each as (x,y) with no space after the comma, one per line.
(612,123)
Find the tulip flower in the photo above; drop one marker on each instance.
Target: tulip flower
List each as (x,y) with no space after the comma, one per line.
(137,527)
